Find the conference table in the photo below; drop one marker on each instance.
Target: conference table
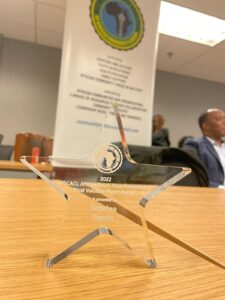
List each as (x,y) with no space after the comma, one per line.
(30,215)
(16,169)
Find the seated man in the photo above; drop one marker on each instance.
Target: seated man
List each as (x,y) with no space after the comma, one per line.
(210,148)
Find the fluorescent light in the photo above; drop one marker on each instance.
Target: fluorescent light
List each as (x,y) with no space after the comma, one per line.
(190,25)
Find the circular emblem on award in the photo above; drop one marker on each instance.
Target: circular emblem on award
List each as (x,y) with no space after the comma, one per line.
(119,23)
(107,158)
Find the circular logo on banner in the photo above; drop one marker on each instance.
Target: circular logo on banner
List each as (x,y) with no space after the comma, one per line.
(107,158)
(119,23)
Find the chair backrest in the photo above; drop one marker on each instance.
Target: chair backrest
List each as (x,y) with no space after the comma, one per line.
(173,157)
(144,154)
(186,158)
(6,152)
(1,138)
(25,142)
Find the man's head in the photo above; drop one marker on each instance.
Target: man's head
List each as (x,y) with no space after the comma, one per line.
(158,122)
(212,123)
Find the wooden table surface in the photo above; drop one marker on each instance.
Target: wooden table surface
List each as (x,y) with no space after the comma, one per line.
(18,166)
(30,213)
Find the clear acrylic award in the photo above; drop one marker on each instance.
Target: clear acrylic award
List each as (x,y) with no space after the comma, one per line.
(107,194)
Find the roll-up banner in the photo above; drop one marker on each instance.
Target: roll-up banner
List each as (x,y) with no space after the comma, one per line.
(109,55)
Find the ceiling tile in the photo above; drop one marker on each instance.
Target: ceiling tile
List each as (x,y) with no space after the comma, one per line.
(211,7)
(164,41)
(166,63)
(214,58)
(60,3)
(49,38)
(203,72)
(17,31)
(21,11)
(50,18)
(221,45)
(184,50)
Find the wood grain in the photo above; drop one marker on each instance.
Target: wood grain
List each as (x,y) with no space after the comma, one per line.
(18,166)
(30,212)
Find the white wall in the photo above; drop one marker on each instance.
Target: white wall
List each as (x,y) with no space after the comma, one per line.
(29,76)
(181,99)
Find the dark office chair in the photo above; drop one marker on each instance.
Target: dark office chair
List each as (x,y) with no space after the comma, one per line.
(186,158)
(6,152)
(25,142)
(172,157)
(144,154)
(1,138)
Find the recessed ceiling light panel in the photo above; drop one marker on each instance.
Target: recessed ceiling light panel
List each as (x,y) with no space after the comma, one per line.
(190,25)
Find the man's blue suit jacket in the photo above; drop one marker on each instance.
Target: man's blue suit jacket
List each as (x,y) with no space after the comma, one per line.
(209,158)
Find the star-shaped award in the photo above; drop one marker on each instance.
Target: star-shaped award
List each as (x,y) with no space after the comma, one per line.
(107,194)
